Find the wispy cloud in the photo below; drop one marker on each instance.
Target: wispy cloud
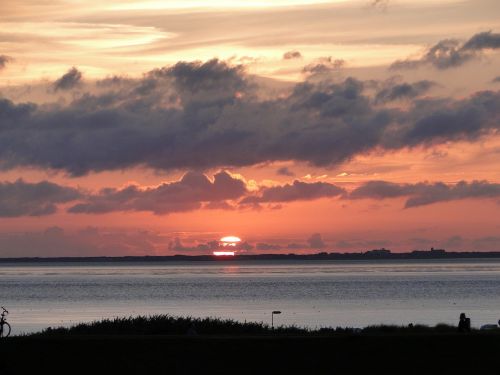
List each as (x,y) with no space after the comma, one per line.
(451,53)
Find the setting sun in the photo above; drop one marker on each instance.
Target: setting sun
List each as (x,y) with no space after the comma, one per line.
(224,243)
(229,241)
(223,253)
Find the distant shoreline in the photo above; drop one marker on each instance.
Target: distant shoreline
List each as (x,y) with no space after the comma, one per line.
(369,255)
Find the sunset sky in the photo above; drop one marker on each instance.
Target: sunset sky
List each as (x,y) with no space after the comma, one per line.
(156,127)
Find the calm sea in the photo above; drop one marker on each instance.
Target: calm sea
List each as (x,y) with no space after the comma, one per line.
(309,293)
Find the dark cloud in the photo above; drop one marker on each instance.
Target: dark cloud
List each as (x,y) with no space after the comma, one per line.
(296,191)
(290,55)
(187,194)
(468,119)
(211,81)
(22,198)
(294,246)
(316,241)
(4,60)
(267,247)
(68,80)
(484,40)
(403,91)
(114,81)
(421,194)
(208,115)
(324,65)
(496,80)
(196,191)
(285,171)
(451,53)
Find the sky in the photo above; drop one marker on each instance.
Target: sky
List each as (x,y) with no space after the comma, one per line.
(157,127)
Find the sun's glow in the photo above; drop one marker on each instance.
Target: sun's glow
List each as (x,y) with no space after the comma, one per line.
(230,240)
(223,253)
(225,242)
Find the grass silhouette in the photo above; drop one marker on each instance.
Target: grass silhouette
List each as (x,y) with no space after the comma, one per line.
(159,344)
(173,325)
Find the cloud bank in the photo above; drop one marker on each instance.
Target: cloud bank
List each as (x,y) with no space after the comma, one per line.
(22,198)
(297,191)
(195,191)
(427,193)
(184,195)
(208,115)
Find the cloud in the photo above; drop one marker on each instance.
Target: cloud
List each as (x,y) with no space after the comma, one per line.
(285,171)
(196,191)
(489,243)
(294,246)
(68,80)
(324,65)
(496,80)
(22,198)
(451,53)
(425,193)
(297,191)
(219,205)
(378,2)
(290,55)
(187,194)
(90,241)
(454,242)
(484,40)
(210,115)
(176,246)
(210,81)
(316,242)
(403,91)
(4,60)
(267,247)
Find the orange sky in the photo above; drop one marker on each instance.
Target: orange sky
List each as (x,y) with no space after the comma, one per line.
(124,96)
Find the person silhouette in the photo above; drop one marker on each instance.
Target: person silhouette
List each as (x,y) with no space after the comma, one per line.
(463,323)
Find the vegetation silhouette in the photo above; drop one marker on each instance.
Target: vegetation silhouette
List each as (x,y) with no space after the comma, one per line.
(163,344)
(165,324)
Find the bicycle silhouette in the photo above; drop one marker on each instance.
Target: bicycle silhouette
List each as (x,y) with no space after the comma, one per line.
(4,326)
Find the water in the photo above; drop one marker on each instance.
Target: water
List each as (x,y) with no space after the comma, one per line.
(309,293)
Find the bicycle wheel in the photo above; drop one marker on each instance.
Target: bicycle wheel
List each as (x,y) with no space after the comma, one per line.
(5,330)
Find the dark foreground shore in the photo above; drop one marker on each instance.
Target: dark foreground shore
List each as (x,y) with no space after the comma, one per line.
(164,344)
(394,353)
